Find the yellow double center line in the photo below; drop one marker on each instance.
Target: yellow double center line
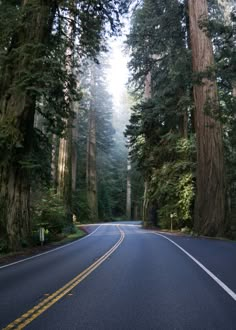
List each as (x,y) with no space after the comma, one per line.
(37,310)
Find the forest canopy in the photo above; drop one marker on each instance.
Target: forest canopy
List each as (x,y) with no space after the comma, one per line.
(63,155)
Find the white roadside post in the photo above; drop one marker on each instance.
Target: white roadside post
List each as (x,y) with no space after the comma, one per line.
(41,235)
(171,222)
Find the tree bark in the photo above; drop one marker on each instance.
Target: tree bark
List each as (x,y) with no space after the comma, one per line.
(136,211)
(145,205)
(91,172)
(63,151)
(66,144)
(91,167)
(17,107)
(183,125)
(64,170)
(147,95)
(75,148)
(209,217)
(234,89)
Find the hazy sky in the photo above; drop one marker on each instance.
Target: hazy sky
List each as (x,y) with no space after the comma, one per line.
(117,74)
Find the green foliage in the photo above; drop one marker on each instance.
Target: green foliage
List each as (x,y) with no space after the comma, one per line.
(81,206)
(41,66)
(160,130)
(49,210)
(3,246)
(172,182)
(42,44)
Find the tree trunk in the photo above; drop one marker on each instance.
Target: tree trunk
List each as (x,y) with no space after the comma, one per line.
(210,199)
(91,172)
(64,187)
(188,38)
(68,176)
(17,205)
(66,143)
(234,89)
(183,125)
(63,153)
(128,190)
(136,211)
(147,95)
(17,109)
(145,205)
(75,148)
(91,167)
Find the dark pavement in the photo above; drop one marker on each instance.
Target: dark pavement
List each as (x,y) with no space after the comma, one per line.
(147,283)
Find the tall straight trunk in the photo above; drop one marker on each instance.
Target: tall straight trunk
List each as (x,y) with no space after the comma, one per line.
(209,217)
(91,167)
(91,172)
(75,147)
(64,166)
(188,39)
(145,213)
(128,190)
(136,211)
(64,170)
(68,177)
(226,7)
(65,158)
(183,125)
(145,205)
(17,108)
(62,160)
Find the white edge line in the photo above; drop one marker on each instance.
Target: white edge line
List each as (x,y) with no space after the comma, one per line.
(215,278)
(50,251)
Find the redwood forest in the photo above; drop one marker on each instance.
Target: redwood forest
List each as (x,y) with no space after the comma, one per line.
(161,148)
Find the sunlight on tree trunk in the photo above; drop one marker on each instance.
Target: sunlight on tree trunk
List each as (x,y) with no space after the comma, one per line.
(66,143)
(62,160)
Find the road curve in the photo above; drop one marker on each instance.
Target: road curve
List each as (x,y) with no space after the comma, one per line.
(146,283)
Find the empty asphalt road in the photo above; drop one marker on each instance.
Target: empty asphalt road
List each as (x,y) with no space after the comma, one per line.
(123,277)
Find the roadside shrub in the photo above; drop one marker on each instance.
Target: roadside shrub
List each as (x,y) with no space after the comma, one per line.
(3,246)
(81,207)
(49,212)
(172,184)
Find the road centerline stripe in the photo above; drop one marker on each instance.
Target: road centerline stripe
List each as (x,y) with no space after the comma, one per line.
(46,303)
(230,292)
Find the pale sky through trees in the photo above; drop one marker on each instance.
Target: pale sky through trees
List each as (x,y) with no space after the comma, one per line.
(117,77)
(117,74)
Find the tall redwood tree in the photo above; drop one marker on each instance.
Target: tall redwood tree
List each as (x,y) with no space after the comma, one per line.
(17,108)
(209,215)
